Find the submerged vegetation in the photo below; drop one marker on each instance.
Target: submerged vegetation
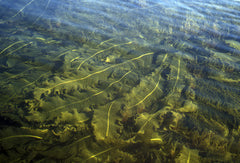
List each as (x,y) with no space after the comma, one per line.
(78,86)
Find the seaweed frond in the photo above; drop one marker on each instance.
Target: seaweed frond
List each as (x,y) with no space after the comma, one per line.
(100,52)
(10,46)
(22,8)
(19,48)
(100,153)
(21,136)
(108,119)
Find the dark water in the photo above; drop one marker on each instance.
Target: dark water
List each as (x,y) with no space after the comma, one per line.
(119,81)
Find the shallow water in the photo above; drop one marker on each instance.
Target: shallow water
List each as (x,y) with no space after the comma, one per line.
(120,81)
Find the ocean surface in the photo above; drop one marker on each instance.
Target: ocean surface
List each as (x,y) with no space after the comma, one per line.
(119,81)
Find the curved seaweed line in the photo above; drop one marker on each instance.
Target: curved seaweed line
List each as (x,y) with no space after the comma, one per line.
(22,136)
(149,94)
(19,74)
(178,73)
(177,78)
(38,67)
(103,42)
(98,52)
(14,76)
(156,86)
(42,12)
(96,94)
(30,83)
(10,46)
(63,53)
(227,80)
(23,8)
(18,48)
(81,139)
(17,12)
(98,72)
(189,157)
(108,118)
(13,95)
(99,153)
(149,119)
(112,83)
(35,80)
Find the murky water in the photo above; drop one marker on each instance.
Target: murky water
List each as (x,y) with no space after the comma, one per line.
(119,81)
